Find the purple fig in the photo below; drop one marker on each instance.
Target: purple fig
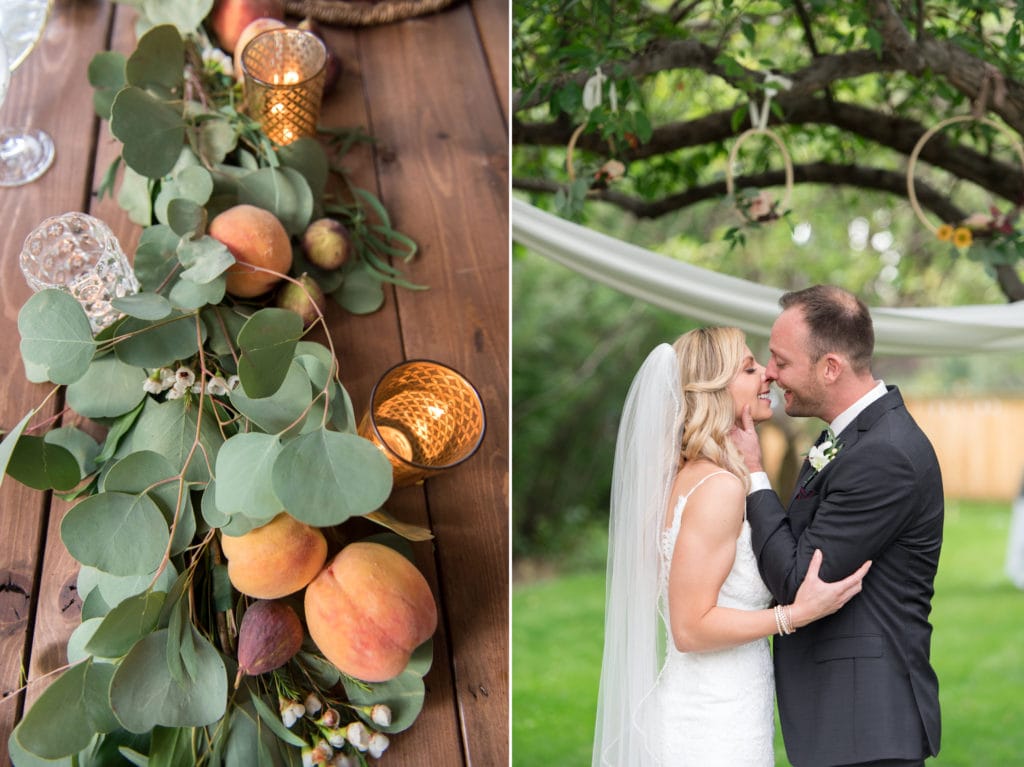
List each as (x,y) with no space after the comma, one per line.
(327,243)
(303,299)
(269,636)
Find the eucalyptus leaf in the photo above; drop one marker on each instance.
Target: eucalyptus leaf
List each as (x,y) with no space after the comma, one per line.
(43,465)
(151,344)
(205,259)
(325,477)
(143,306)
(108,389)
(169,428)
(403,694)
(189,296)
(145,470)
(79,638)
(126,624)
(143,693)
(307,156)
(55,334)
(223,324)
(172,747)
(58,724)
(360,293)
(118,533)
(158,62)
(281,409)
(217,138)
(107,76)
(10,441)
(185,217)
(186,15)
(151,130)
(272,719)
(343,416)
(244,466)
(114,589)
(80,445)
(188,182)
(118,429)
(283,191)
(267,341)
(156,256)
(134,198)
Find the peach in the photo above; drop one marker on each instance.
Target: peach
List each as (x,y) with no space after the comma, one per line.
(368,610)
(255,27)
(276,559)
(230,17)
(255,238)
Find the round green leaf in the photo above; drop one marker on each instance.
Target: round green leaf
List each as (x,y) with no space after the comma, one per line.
(126,624)
(158,61)
(169,428)
(151,130)
(134,197)
(152,344)
(108,389)
(144,306)
(10,441)
(188,295)
(204,258)
(80,638)
(267,341)
(118,533)
(81,445)
(114,589)
(55,725)
(217,138)
(144,694)
(55,335)
(281,409)
(145,469)
(106,76)
(43,465)
(283,191)
(307,156)
(244,484)
(360,293)
(325,477)
(156,256)
(186,15)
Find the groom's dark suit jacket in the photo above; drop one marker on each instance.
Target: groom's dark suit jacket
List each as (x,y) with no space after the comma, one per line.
(857,686)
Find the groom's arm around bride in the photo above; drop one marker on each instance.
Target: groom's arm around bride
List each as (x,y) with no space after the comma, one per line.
(856,687)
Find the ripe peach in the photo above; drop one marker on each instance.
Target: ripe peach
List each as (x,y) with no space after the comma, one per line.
(229,17)
(368,610)
(255,27)
(254,236)
(276,559)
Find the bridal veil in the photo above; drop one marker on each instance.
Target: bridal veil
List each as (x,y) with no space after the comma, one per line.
(646,455)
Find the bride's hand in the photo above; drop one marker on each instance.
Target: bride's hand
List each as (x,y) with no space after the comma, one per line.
(817,598)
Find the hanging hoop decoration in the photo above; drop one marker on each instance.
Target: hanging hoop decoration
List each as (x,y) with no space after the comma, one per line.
(571,148)
(766,210)
(927,136)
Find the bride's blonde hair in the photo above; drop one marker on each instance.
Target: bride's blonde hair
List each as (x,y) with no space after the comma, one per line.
(709,359)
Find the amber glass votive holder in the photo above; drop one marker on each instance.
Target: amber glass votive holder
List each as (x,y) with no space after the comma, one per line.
(284,71)
(425,417)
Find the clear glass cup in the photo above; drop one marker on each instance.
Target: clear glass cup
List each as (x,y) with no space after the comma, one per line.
(80,255)
(25,153)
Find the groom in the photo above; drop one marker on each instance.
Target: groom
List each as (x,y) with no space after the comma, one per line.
(857,687)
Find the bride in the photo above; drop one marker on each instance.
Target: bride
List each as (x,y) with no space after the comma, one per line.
(707,700)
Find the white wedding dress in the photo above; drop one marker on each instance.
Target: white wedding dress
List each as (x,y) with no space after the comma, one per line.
(716,708)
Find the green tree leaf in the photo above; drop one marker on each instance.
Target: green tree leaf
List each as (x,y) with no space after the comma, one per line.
(107,76)
(281,409)
(143,694)
(126,624)
(143,306)
(108,389)
(325,477)
(205,259)
(186,15)
(307,156)
(169,428)
(267,341)
(145,469)
(10,442)
(114,589)
(117,533)
(189,296)
(43,465)
(56,336)
(81,445)
(156,257)
(151,344)
(151,130)
(244,485)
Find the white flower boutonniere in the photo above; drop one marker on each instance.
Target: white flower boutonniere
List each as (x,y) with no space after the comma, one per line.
(821,455)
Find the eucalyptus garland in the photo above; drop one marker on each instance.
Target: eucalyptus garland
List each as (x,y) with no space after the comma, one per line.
(219,413)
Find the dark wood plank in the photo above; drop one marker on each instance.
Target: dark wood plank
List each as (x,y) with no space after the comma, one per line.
(48,91)
(447,186)
(494,28)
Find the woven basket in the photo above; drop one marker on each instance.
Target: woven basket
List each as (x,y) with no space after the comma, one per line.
(363,13)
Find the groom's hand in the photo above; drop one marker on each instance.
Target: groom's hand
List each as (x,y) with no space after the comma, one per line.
(745,438)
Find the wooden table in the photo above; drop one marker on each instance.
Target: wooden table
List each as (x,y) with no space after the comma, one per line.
(433,92)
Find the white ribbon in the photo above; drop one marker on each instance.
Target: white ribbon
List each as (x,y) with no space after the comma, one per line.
(759,115)
(592,92)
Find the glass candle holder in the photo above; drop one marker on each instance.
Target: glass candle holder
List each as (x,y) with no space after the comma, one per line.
(284,72)
(80,255)
(425,417)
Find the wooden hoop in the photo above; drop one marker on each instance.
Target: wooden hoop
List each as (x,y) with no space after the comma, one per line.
(787,161)
(926,137)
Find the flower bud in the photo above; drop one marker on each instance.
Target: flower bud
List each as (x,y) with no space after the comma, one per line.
(291,711)
(335,736)
(312,704)
(322,752)
(378,744)
(358,735)
(381,715)
(330,718)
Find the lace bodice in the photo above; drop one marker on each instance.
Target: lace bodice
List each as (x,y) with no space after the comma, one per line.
(715,708)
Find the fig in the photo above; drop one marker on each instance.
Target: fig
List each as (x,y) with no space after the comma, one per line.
(327,243)
(303,299)
(269,636)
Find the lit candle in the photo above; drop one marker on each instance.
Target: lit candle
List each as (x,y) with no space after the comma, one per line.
(284,79)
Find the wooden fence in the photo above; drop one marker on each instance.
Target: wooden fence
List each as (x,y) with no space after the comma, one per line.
(979,442)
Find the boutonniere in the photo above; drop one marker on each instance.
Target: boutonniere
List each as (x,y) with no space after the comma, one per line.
(822,454)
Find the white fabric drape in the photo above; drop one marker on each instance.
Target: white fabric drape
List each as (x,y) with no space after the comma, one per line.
(719,299)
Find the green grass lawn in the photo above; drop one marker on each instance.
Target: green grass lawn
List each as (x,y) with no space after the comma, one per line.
(977,650)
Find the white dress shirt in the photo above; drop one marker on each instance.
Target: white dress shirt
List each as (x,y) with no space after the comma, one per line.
(759,479)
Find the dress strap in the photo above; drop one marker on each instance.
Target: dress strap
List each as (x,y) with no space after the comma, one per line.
(678,512)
